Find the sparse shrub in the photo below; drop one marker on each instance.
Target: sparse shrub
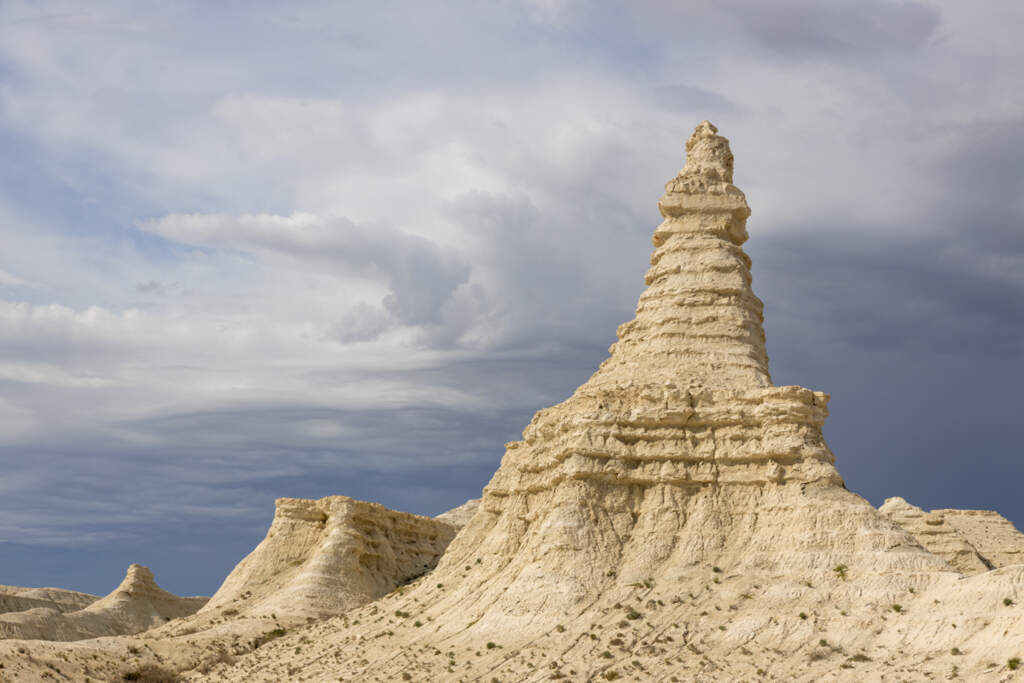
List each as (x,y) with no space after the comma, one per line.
(955,651)
(897,608)
(823,642)
(406,676)
(491,646)
(1013,663)
(267,637)
(607,655)
(1007,601)
(610,675)
(417,623)
(840,570)
(634,615)
(230,612)
(560,628)
(150,673)
(803,615)
(860,657)
(716,570)
(401,615)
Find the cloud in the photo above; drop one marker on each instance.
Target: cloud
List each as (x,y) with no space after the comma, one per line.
(421,275)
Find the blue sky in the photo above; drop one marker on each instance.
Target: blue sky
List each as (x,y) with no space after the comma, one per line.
(255,250)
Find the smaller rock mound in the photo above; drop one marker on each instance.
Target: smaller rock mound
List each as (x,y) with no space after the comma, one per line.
(972,541)
(460,516)
(937,536)
(995,538)
(19,599)
(323,557)
(137,605)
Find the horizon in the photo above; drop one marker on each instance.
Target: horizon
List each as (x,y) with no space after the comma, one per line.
(318,251)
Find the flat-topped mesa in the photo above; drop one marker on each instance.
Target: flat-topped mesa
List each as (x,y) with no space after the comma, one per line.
(698,323)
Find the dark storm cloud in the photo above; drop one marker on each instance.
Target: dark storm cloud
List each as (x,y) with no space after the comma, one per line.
(904,296)
(845,30)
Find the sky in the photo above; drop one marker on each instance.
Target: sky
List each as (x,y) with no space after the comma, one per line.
(263,249)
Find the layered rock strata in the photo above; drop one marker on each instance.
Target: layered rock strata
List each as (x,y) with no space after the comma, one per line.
(19,599)
(322,557)
(936,535)
(994,537)
(136,605)
(972,541)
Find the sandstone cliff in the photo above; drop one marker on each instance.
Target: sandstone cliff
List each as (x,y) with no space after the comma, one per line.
(322,557)
(972,541)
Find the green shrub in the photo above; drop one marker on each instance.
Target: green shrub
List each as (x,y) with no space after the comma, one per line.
(150,673)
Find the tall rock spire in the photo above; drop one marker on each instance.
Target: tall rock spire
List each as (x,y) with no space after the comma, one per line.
(678,452)
(698,323)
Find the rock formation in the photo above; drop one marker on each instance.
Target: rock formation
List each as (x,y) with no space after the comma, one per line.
(136,605)
(938,537)
(972,541)
(19,599)
(678,517)
(460,516)
(322,557)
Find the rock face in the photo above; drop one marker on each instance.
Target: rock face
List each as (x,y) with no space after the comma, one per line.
(18,599)
(460,516)
(972,541)
(993,536)
(932,531)
(134,606)
(322,557)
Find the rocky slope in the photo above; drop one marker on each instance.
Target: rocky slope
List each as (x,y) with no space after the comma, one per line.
(972,541)
(993,536)
(938,537)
